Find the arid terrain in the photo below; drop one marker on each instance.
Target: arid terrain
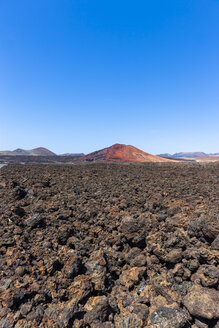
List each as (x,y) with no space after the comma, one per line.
(106,245)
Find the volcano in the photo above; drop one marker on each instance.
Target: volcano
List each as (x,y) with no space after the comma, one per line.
(123,153)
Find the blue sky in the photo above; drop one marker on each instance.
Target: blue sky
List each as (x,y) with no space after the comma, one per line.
(80,75)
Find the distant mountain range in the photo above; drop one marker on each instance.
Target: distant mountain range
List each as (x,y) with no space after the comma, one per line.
(115,153)
(187,155)
(122,153)
(40,151)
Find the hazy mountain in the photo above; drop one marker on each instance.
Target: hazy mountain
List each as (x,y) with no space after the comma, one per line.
(198,156)
(40,151)
(189,154)
(164,155)
(73,154)
(213,154)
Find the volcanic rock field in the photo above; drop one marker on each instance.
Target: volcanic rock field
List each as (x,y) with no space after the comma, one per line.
(106,245)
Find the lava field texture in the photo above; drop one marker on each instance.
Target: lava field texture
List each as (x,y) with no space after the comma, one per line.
(109,245)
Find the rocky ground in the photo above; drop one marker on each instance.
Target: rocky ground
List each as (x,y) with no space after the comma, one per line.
(109,245)
(20,159)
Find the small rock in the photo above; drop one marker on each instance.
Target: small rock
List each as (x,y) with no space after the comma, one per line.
(209,275)
(141,310)
(134,229)
(129,320)
(132,254)
(2,184)
(5,285)
(210,228)
(178,270)
(200,324)
(96,267)
(165,317)
(193,265)
(19,193)
(97,309)
(132,276)
(80,288)
(25,308)
(215,244)
(174,256)
(138,261)
(19,211)
(67,311)
(64,233)
(20,271)
(35,221)
(72,266)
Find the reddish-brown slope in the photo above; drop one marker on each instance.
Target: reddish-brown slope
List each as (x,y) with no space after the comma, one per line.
(123,153)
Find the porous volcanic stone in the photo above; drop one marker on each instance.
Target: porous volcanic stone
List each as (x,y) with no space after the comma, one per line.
(202,302)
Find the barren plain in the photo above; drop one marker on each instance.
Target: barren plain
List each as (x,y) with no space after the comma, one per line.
(107,245)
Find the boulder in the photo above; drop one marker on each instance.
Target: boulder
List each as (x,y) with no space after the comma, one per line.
(202,302)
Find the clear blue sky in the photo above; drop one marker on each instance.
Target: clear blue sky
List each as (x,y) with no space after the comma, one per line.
(80,75)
